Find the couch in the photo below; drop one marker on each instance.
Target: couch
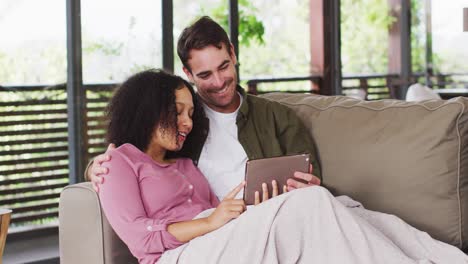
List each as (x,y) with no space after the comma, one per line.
(404,158)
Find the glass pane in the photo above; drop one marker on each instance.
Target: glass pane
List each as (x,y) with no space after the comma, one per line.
(286,48)
(364,36)
(33,127)
(33,45)
(418,36)
(438,43)
(449,42)
(120,38)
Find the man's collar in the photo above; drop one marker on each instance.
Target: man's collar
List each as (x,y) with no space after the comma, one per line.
(244,109)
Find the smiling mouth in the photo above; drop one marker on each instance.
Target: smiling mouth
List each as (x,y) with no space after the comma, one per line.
(181,136)
(222,90)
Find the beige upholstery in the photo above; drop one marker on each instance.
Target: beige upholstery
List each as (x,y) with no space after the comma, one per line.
(84,232)
(403,158)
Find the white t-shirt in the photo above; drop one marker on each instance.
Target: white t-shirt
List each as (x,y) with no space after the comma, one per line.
(223,158)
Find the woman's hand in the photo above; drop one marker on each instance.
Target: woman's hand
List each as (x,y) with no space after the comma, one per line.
(265,194)
(228,209)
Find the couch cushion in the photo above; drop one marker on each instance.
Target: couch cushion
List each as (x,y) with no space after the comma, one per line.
(404,158)
(85,234)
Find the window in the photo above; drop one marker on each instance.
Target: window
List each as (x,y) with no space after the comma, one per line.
(448,39)
(33,46)
(286,48)
(120,38)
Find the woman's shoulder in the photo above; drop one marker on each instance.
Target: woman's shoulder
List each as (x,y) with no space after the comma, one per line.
(126,152)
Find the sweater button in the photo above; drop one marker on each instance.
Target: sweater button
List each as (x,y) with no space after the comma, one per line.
(190,187)
(149,228)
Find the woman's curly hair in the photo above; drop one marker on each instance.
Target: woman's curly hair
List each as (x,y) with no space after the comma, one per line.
(147,100)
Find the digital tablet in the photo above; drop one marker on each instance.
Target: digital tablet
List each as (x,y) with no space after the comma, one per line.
(258,171)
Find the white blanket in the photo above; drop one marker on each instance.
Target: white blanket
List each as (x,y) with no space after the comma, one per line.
(311,226)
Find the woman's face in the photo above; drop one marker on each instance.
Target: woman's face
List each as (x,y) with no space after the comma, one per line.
(174,140)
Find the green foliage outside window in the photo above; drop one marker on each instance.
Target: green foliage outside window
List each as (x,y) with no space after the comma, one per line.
(364,36)
(250,27)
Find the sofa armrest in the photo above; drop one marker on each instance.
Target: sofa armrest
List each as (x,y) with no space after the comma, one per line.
(85,235)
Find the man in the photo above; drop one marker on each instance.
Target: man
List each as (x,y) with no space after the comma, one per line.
(242,126)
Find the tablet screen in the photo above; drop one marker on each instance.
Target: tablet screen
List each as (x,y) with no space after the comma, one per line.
(258,171)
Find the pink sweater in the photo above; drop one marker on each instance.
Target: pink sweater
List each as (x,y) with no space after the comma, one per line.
(141,197)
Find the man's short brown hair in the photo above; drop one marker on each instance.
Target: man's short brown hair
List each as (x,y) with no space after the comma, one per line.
(203,33)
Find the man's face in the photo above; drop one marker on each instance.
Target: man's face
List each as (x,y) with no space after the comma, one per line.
(214,74)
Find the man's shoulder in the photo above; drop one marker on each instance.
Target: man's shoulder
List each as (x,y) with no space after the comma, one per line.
(259,101)
(265,111)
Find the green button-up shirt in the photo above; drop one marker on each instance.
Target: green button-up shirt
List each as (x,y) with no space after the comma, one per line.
(269,129)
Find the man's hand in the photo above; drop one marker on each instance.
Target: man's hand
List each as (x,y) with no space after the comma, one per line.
(96,172)
(265,194)
(309,178)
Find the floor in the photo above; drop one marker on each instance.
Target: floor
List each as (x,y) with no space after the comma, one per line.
(42,250)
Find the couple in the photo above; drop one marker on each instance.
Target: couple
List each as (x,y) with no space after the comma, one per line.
(163,207)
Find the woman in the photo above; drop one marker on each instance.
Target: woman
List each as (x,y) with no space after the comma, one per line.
(157,200)
(155,192)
